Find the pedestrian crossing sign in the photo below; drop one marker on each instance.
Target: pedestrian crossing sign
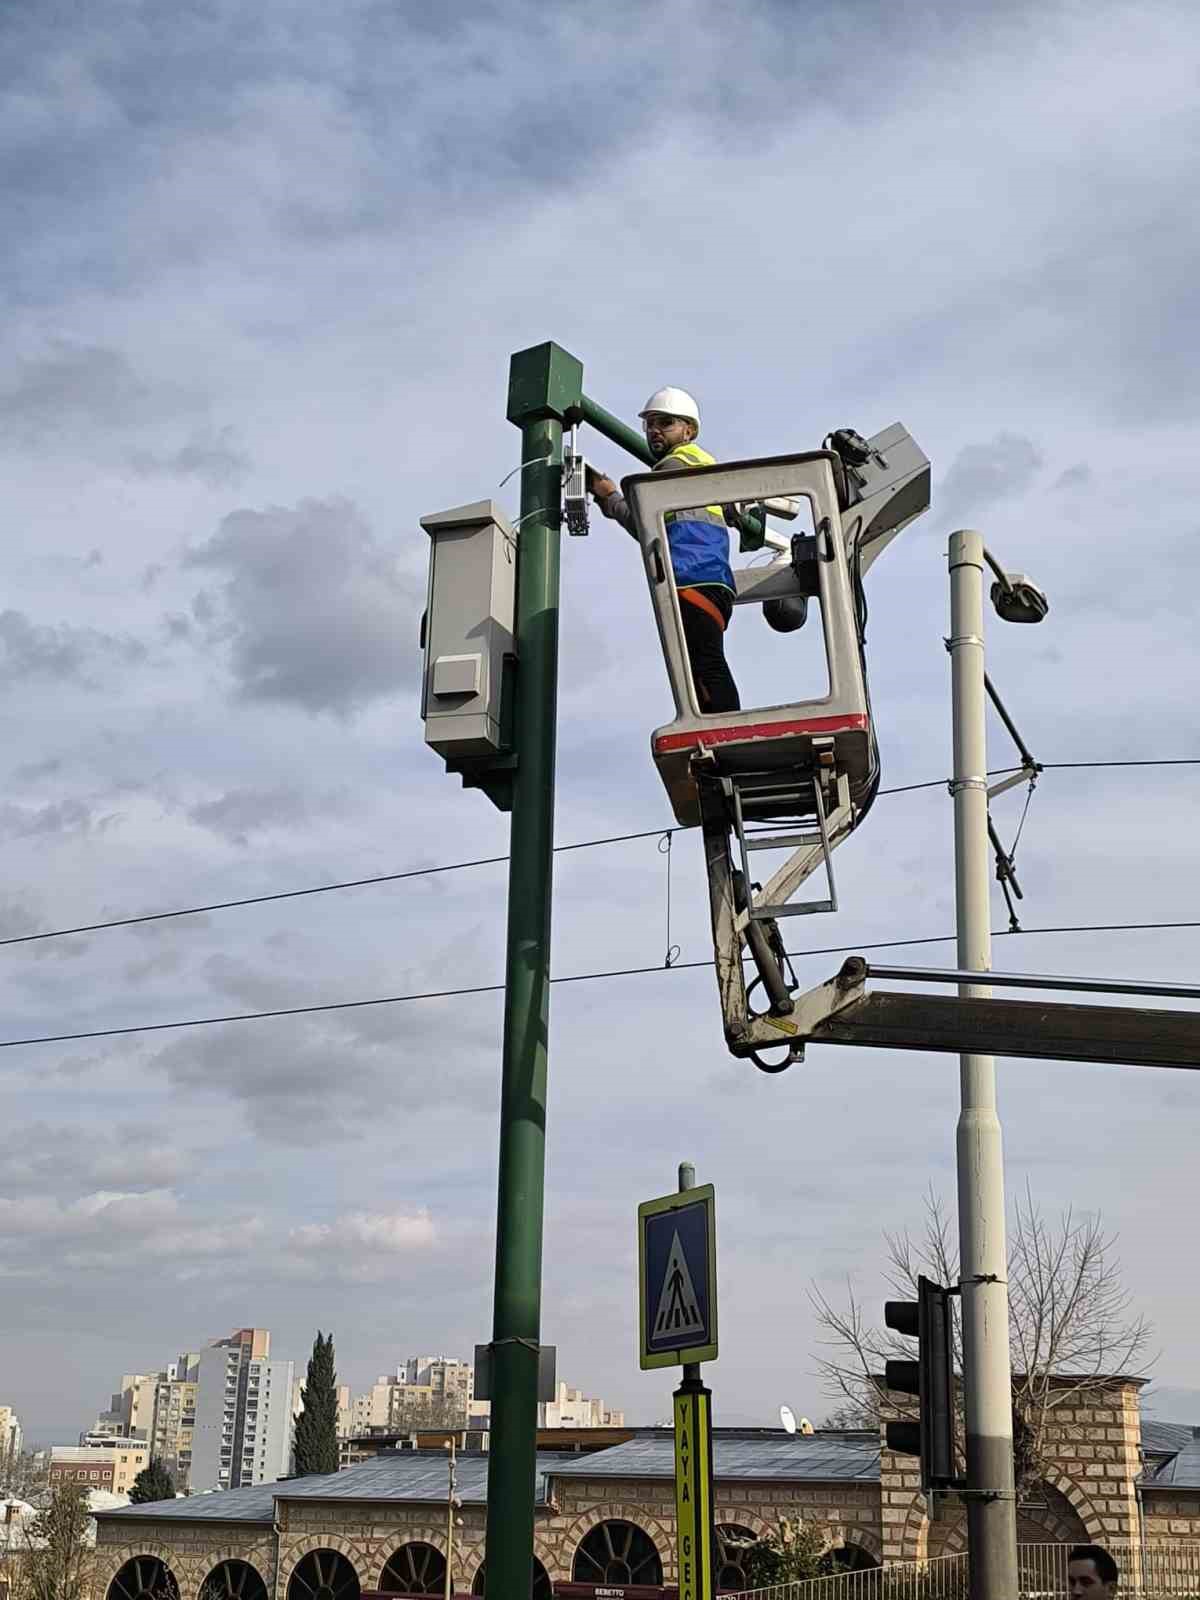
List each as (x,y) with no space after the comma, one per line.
(677,1262)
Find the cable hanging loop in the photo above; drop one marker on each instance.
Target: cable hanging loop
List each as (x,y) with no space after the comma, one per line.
(534,461)
(664,849)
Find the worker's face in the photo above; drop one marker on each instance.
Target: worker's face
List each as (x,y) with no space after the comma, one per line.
(1085,1581)
(663,433)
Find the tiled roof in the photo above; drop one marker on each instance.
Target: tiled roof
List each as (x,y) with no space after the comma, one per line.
(1165,1438)
(256,1504)
(822,1457)
(1182,1471)
(404,1475)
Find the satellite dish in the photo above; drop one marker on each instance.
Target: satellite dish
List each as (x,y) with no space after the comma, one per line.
(788,1418)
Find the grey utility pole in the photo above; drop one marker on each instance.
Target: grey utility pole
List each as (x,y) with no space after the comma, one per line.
(987,1378)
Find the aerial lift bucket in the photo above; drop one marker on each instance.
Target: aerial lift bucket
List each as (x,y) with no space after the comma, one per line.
(797,775)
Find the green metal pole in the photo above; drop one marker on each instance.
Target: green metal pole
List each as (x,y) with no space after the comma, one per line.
(613,428)
(543,382)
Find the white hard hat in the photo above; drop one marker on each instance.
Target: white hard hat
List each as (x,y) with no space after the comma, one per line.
(672,403)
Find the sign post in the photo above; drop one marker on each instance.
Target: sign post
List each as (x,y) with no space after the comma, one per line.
(677,1319)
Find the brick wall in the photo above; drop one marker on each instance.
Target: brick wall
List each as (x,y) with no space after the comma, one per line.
(1172,1514)
(1091,1443)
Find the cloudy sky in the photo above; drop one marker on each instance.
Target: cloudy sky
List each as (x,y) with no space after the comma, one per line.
(262,275)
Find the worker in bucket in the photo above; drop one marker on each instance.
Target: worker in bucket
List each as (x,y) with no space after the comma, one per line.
(699,541)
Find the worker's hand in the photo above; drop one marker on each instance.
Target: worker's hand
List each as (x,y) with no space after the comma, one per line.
(601,486)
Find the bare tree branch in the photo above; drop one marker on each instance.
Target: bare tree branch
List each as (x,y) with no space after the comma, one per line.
(1071,1319)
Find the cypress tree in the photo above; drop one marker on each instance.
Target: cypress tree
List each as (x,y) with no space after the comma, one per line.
(316,1426)
(153,1482)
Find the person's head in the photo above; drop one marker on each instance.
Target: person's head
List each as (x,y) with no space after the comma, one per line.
(1091,1571)
(665,433)
(670,418)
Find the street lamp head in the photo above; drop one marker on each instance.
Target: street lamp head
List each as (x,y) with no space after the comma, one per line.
(1018,599)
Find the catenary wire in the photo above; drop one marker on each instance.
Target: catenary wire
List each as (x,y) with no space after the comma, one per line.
(491,861)
(572,977)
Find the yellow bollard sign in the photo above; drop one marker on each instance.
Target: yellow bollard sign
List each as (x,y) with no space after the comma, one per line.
(693,1490)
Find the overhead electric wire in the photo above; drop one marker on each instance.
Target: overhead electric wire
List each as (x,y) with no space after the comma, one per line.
(249,900)
(491,861)
(572,977)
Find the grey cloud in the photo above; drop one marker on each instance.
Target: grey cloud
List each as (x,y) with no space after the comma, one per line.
(215,459)
(163,963)
(319,1080)
(981,475)
(58,652)
(42,1156)
(34,771)
(1076,477)
(74,383)
(299,1086)
(43,1237)
(239,813)
(318,613)
(16,919)
(69,816)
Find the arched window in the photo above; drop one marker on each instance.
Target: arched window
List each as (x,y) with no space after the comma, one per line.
(233,1580)
(617,1552)
(732,1542)
(415,1569)
(144,1578)
(540,1589)
(850,1557)
(323,1575)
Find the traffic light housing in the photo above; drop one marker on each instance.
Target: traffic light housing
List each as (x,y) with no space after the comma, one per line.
(930,1377)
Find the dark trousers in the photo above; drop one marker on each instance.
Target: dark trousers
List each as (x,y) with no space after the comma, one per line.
(706,612)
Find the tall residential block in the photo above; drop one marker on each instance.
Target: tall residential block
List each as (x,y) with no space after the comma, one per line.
(130,1413)
(243,1414)
(175,1416)
(10,1436)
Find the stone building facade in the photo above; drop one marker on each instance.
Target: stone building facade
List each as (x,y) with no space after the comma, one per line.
(608,1517)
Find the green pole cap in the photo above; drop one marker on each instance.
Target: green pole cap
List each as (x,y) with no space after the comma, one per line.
(544,381)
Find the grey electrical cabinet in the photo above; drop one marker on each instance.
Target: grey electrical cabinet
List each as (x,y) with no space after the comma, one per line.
(468,628)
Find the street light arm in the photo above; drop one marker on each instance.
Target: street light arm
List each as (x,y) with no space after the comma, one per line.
(1001,575)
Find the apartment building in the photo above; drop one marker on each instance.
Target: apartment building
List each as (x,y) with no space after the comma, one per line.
(424,1391)
(438,1391)
(10,1435)
(242,1430)
(175,1416)
(571,1408)
(130,1413)
(102,1463)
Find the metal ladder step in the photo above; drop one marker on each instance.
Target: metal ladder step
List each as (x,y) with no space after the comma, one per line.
(749,842)
(780,841)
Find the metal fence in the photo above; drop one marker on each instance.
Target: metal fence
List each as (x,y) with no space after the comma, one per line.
(1168,1571)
